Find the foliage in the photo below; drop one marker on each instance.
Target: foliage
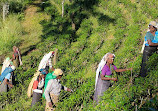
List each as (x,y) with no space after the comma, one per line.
(16,6)
(88,30)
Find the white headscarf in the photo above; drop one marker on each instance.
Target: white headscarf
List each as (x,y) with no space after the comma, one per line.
(101,65)
(44,60)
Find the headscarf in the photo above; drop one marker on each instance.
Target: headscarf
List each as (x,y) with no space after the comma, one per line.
(6,63)
(43,71)
(44,60)
(153,23)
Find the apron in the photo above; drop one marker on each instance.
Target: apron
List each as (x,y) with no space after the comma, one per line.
(3,87)
(101,87)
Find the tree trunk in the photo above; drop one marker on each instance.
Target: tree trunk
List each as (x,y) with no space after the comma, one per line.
(55,56)
(63,8)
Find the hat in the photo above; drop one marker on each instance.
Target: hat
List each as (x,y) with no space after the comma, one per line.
(58,72)
(13,67)
(43,71)
(153,23)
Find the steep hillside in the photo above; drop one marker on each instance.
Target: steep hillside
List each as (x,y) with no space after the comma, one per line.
(87,31)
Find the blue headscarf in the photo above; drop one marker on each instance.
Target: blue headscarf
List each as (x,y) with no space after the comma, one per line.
(43,71)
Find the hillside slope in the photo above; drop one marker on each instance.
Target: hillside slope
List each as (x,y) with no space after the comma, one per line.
(88,30)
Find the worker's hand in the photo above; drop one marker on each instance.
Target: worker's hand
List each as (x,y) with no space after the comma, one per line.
(69,90)
(50,104)
(52,69)
(130,69)
(114,79)
(11,85)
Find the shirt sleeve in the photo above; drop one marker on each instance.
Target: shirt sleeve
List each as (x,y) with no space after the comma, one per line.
(48,90)
(105,71)
(64,88)
(114,67)
(148,36)
(8,76)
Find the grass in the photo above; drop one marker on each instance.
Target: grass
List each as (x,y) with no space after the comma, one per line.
(10,34)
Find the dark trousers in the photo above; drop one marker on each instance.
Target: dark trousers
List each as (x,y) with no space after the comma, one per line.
(36,98)
(148,51)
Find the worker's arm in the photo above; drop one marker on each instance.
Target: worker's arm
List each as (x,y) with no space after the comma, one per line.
(122,70)
(13,57)
(151,43)
(52,69)
(107,78)
(6,81)
(66,89)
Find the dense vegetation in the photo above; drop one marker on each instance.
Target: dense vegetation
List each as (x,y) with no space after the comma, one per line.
(88,30)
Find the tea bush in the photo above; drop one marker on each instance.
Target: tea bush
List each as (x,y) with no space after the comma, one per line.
(101,26)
